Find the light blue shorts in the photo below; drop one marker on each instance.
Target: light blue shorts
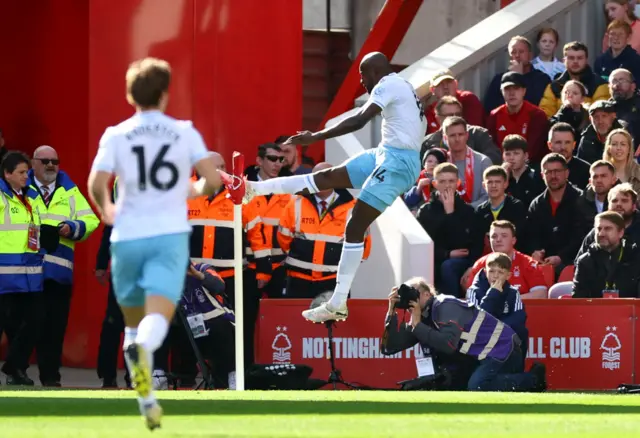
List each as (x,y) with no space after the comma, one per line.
(383,174)
(151,266)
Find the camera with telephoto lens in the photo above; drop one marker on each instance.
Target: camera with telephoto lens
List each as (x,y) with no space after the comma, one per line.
(407,294)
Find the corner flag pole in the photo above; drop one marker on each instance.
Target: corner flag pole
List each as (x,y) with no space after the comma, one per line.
(237,169)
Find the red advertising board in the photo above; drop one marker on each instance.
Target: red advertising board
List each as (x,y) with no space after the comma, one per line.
(585,344)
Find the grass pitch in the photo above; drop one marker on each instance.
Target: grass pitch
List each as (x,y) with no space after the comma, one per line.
(85,414)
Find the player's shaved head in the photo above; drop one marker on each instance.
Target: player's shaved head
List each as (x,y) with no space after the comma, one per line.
(45,151)
(375,60)
(322,166)
(373,67)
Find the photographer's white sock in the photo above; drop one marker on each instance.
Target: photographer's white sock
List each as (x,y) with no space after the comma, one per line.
(349,262)
(130,334)
(285,184)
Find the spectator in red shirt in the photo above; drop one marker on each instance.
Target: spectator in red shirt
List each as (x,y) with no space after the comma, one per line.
(526,275)
(444,83)
(518,116)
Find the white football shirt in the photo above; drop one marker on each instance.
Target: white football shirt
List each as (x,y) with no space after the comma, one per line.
(152,155)
(403,121)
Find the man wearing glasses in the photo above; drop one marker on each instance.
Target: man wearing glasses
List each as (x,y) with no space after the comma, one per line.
(269,163)
(69,214)
(555,225)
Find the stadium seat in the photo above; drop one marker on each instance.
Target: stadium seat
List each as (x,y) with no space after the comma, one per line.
(567,274)
(560,290)
(549,274)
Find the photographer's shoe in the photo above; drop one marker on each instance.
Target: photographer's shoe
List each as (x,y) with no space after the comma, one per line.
(324,313)
(539,371)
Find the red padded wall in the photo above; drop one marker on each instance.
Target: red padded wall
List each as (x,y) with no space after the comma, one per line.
(237,74)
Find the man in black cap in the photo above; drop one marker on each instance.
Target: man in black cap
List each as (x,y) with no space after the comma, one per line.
(517,116)
(602,115)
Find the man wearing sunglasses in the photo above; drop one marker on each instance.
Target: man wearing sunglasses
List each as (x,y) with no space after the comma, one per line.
(383,173)
(68,213)
(270,162)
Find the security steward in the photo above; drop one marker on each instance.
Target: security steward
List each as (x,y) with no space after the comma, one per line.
(68,211)
(269,208)
(211,218)
(311,232)
(21,266)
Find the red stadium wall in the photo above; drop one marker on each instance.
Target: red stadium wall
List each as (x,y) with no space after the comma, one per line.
(237,74)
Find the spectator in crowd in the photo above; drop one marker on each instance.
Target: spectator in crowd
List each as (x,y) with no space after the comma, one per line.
(622,10)
(311,233)
(492,292)
(535,81)
(211,218)
(555,226)
(3,150)
(21,279)
(546,61)
(452,225)
(269,208)
(618,151)
(113,322)
(602,115)
(526,275)
(525,183)
(518,116)
(417,195)
(66,209)
(610,268)
(292,163)
(479,138)
(622,199)
(576,59)
(443,84)
(562,140)
(499,206)
(573,110)
(594,198)
(627,102)
(619,54)
(470,164)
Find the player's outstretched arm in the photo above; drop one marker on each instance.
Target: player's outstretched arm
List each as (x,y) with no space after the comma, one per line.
(210,182)
(346,126)
(100,194)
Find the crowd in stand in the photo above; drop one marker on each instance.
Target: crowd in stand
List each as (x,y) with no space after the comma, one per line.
(544,170)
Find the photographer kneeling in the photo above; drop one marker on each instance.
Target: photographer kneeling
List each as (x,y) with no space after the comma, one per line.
(449,325)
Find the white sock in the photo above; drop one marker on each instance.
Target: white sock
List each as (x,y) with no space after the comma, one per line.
(232,380)
(349,262)
(151,332)
(285,184)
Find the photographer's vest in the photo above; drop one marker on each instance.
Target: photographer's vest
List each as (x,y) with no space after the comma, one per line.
(482,337)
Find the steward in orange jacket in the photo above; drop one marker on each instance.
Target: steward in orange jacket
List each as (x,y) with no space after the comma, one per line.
(313,242)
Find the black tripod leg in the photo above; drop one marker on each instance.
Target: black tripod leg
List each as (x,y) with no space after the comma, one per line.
(206,375)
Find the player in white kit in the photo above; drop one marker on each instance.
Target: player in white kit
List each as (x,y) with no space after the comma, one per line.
(383,173)
(152,156)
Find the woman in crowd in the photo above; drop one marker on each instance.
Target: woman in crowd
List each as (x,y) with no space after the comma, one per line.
(622,10)
(546,61)
(618,150)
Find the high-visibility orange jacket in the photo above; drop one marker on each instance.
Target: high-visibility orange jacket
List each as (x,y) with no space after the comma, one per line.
(269,209)
(211,218)
(314,244)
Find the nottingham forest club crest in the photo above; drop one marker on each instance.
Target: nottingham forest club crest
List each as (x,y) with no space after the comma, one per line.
(611,350)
